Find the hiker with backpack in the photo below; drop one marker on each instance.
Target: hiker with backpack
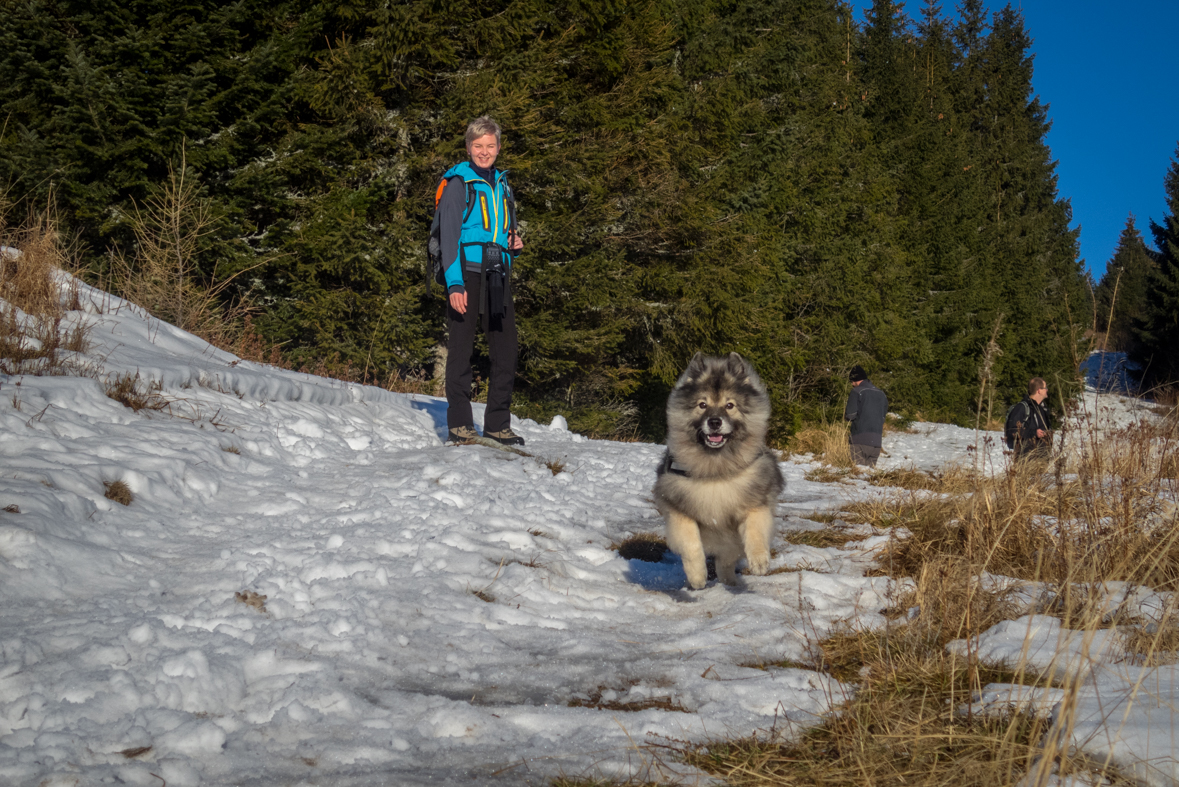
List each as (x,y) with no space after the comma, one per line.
(1028,429)
(473,241)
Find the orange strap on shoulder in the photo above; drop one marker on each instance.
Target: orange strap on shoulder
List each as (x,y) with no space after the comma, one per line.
(438,194)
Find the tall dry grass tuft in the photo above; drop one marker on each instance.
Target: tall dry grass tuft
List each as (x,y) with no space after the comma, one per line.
(1113,519)
(36,337)
(828,443)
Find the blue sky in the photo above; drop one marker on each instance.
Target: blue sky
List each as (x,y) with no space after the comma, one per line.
(1107,71)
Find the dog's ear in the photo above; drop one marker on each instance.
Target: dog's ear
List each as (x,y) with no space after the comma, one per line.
(738,366)
(695,366)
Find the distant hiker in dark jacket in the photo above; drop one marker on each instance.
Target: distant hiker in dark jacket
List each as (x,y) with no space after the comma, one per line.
(478,242)
(1029,424)
(866,407)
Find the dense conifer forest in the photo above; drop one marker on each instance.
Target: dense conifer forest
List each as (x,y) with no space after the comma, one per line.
(770,177)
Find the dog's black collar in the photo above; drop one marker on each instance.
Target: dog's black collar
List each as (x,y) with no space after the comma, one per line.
(670,466)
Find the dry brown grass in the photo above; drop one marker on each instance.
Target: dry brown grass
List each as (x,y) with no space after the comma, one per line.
(649,547)
(596,699)
(827,443)
(130,391)
(251,599)
(555,466)
(35,336)
(1152,648)
(573,781)
(952,480)
(1042,527)
(831,474)
(831,537)
(119,492)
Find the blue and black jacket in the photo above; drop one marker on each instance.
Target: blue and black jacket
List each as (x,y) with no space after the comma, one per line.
(469,225)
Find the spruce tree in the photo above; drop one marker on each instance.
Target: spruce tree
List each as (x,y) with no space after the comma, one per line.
(938,196)
(1123,290)
(1028,253)
(1159,331)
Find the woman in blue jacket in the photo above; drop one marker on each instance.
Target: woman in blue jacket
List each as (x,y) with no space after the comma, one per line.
(477,224)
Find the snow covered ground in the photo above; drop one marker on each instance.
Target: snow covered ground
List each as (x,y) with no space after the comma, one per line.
(309,588)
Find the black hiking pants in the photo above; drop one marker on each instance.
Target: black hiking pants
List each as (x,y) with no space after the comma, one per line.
(460,347)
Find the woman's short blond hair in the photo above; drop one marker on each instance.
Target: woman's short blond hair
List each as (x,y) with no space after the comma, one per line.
(482,126)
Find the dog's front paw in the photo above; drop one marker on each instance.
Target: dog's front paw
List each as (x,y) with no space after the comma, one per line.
(697,573)
(757,565)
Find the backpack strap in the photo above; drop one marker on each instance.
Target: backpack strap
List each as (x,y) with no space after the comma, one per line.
(510,202)
(470,197)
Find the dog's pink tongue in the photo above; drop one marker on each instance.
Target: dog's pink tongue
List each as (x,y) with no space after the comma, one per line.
(716,438)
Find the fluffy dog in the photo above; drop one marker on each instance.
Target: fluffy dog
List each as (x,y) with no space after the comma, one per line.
(718,483)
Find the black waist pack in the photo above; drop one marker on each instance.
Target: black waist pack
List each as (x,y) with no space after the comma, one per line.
(495,274)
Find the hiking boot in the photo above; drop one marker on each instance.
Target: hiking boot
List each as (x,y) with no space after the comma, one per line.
(462,435)
(506,437)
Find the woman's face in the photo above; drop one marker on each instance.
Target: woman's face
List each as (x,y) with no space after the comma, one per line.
(483,151)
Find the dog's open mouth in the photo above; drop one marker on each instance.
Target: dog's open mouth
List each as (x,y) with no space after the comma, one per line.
(715,440)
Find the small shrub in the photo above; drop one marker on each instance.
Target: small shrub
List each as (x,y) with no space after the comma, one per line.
(119,492)
(32,339)
(249,345)
(164,276)
(126,389)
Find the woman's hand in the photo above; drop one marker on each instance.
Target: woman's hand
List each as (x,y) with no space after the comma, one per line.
(458,302)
